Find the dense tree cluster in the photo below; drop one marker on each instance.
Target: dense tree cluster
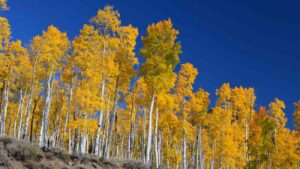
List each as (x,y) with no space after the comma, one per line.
(91,95)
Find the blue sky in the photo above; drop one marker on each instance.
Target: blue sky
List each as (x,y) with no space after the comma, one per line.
(252,43)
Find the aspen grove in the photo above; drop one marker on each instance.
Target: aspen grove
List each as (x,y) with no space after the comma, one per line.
(91,95)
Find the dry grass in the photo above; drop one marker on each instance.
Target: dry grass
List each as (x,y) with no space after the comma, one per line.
(21,154)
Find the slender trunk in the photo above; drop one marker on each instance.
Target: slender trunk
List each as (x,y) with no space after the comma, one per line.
(149,142)
(134,136)
(83,142)
(56,122)
(129,144)
(97,149)
(112,121)
(196,155)
(27,114)
(67,119)
(122,147)
(212,160)
(246,140)
(107,123)
(168,155)
(144,136)
(155,137)
(3,118)
(21,116)
(87,142)
(159,148)
(9,124)
(45,115)
(1,99)
(131,139)
(75,145)
(184,150)
(32,119)
(202,152)
(19,110)
(69,141)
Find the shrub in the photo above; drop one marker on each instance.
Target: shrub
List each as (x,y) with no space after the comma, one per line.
(21,150)
(134,164)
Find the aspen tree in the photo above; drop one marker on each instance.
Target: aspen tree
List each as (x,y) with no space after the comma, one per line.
(48,49)
(6,62)
(107,21)
(160,50)
(296,115)
(21,73)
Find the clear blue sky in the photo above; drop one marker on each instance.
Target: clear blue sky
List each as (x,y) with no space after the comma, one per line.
(252,43)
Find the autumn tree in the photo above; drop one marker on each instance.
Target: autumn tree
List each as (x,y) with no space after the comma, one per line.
(161,53)
(296,116)
(183,92)
(47,50)
(6,62)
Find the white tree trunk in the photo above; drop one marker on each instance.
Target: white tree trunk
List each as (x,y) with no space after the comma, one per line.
(196,155)
(21,116)
(27,114)
(149,142)
(45,115)
(246,140)
(202,152)
(134,136)
(17,115)
(69,141)
(155,138)
(28,106)
(112,121)
(67,119)
(3,117)
(107,123)
(129,145)
(184,150)
(97,145)
(212,160)
(159,148)
(144,136)
(83,143)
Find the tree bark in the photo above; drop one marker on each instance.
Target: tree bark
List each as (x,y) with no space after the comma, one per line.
(106,130)
(159,148)
(155,138)
(45,114)
(196,155)
(202,151)
(144,137)
(21,116)
(149,142)
(97,149)
(3,118)
(18,113)
(27,114)
(184,150)
(212,160)
(67,119)
(83,143)
(112,120)
(32,119)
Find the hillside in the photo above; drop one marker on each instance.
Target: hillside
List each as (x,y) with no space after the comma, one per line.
(22,155)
